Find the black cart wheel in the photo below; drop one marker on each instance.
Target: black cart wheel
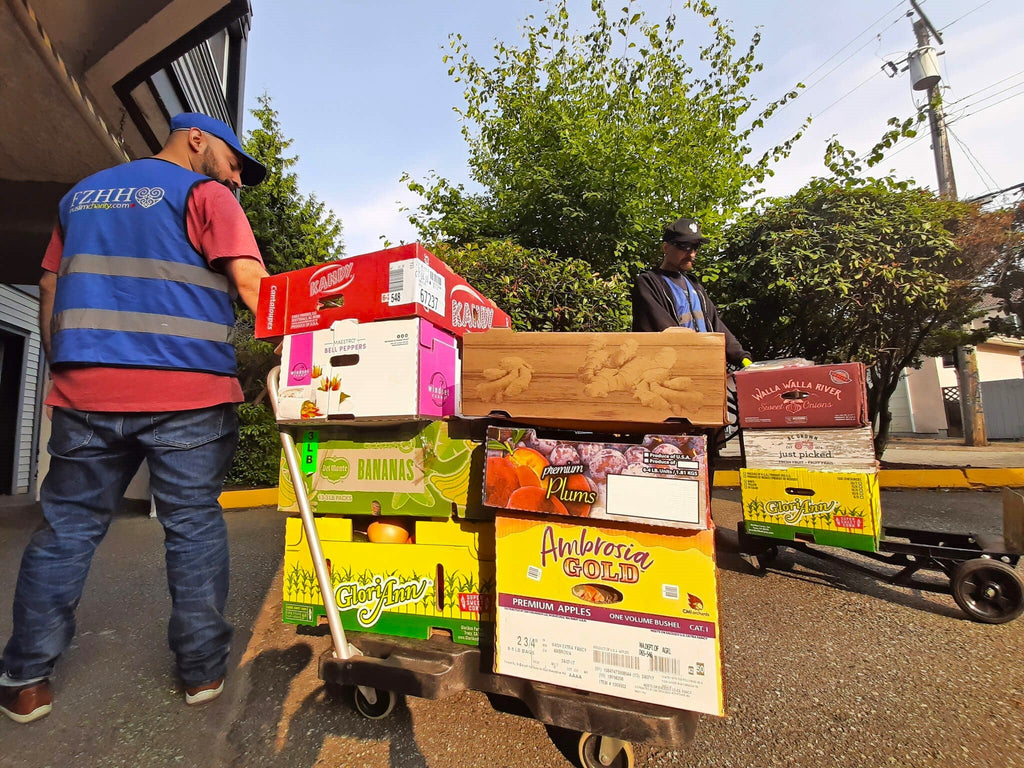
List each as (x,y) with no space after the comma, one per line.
(591,757)
(378,709)
(988,591)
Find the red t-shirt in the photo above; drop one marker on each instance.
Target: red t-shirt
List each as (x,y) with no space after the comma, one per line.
(218,229)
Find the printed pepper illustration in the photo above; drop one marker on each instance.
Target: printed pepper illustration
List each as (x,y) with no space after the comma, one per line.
(648,380)
(308,410)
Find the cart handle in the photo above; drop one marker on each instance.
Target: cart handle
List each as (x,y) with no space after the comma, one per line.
(342,648)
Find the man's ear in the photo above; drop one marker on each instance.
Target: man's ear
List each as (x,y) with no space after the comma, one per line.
(196,139)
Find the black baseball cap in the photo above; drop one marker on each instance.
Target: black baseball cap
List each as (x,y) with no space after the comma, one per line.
(253,171)
(683,231)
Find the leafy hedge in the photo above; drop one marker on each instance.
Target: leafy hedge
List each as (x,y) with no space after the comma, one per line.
(258,456)
(539,290)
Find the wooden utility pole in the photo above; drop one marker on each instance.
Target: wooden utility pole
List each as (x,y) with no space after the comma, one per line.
(971,411)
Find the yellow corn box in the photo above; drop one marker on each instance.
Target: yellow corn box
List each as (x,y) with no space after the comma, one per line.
(610,610)
(445,581)
(838,509)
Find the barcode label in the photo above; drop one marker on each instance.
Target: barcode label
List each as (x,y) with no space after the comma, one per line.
(396,284)
(623,660)
(670,591)
(533,573)
(429,288)
(665,664)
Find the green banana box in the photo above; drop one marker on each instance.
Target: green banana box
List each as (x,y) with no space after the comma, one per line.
(414,469)
(836,509)
(443,583)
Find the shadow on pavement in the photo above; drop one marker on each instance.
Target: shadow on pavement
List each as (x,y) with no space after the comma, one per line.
(274,728)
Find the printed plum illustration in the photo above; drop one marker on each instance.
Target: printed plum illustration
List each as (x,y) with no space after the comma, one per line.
(604,462)
(527,457)
(635,454)
(563,454)
(501,481)
(539,444)
(587,451)
(533,499)
(667,448)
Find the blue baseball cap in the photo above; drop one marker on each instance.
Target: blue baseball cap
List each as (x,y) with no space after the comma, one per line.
(253,171)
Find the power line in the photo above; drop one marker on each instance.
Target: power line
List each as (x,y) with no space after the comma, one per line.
(856,87)
(854,53)
(954,21)
(975,163)
(855,39)
(990,85)
(964,114)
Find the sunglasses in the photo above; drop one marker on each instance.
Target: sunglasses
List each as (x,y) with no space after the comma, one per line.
(692,247)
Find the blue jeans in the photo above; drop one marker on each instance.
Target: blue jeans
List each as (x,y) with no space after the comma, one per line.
(94,457)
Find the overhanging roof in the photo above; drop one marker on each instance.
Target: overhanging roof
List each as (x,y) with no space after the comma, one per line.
(73,76)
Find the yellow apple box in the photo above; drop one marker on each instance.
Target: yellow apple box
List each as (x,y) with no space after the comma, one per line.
(837,509)
(611,610)
(444,582)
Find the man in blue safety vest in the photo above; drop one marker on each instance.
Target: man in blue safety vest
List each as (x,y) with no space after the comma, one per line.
(137,321)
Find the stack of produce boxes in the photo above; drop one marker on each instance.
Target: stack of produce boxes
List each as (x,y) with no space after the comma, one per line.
(810,469)
(605,551)
(369,373)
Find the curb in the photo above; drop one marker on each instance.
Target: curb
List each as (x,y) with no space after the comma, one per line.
(963,479)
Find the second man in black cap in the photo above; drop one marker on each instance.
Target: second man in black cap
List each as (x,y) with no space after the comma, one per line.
(667,297)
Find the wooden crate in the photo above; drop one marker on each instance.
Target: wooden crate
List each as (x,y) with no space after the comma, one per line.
(599,380)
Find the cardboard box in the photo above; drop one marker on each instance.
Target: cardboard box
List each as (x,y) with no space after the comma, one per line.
(603,380)
(658,480)
(394,370)
(406,281)
(413,469)
(610,610)
(444,582)
(811,396)
(848,450)
(837,509)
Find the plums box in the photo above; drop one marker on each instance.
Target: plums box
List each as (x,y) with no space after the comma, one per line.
(661,480)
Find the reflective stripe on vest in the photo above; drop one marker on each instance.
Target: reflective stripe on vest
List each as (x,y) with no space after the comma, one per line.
(131,289)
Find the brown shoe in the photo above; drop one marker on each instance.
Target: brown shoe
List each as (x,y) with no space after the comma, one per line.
(200,694)
(25,703)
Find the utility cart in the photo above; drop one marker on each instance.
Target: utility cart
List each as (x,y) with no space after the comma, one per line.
(810,482)
(379,668)
(981,569)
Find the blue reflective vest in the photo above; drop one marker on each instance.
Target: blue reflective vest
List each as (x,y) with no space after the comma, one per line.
(689,310)
(132,291)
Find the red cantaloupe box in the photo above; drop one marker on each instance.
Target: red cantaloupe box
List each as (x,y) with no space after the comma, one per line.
(407,281)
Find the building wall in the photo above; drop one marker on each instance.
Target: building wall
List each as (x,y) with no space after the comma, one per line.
(998,363)
(19,312)
(925,385)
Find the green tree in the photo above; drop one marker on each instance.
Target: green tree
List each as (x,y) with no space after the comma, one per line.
(540,291)
(870,270)
(584,145)
(1007,277)
(293,230)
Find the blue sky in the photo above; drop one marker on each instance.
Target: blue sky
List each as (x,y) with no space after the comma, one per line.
(361,88)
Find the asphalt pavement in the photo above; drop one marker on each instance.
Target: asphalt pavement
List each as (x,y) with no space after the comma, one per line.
(825,664)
